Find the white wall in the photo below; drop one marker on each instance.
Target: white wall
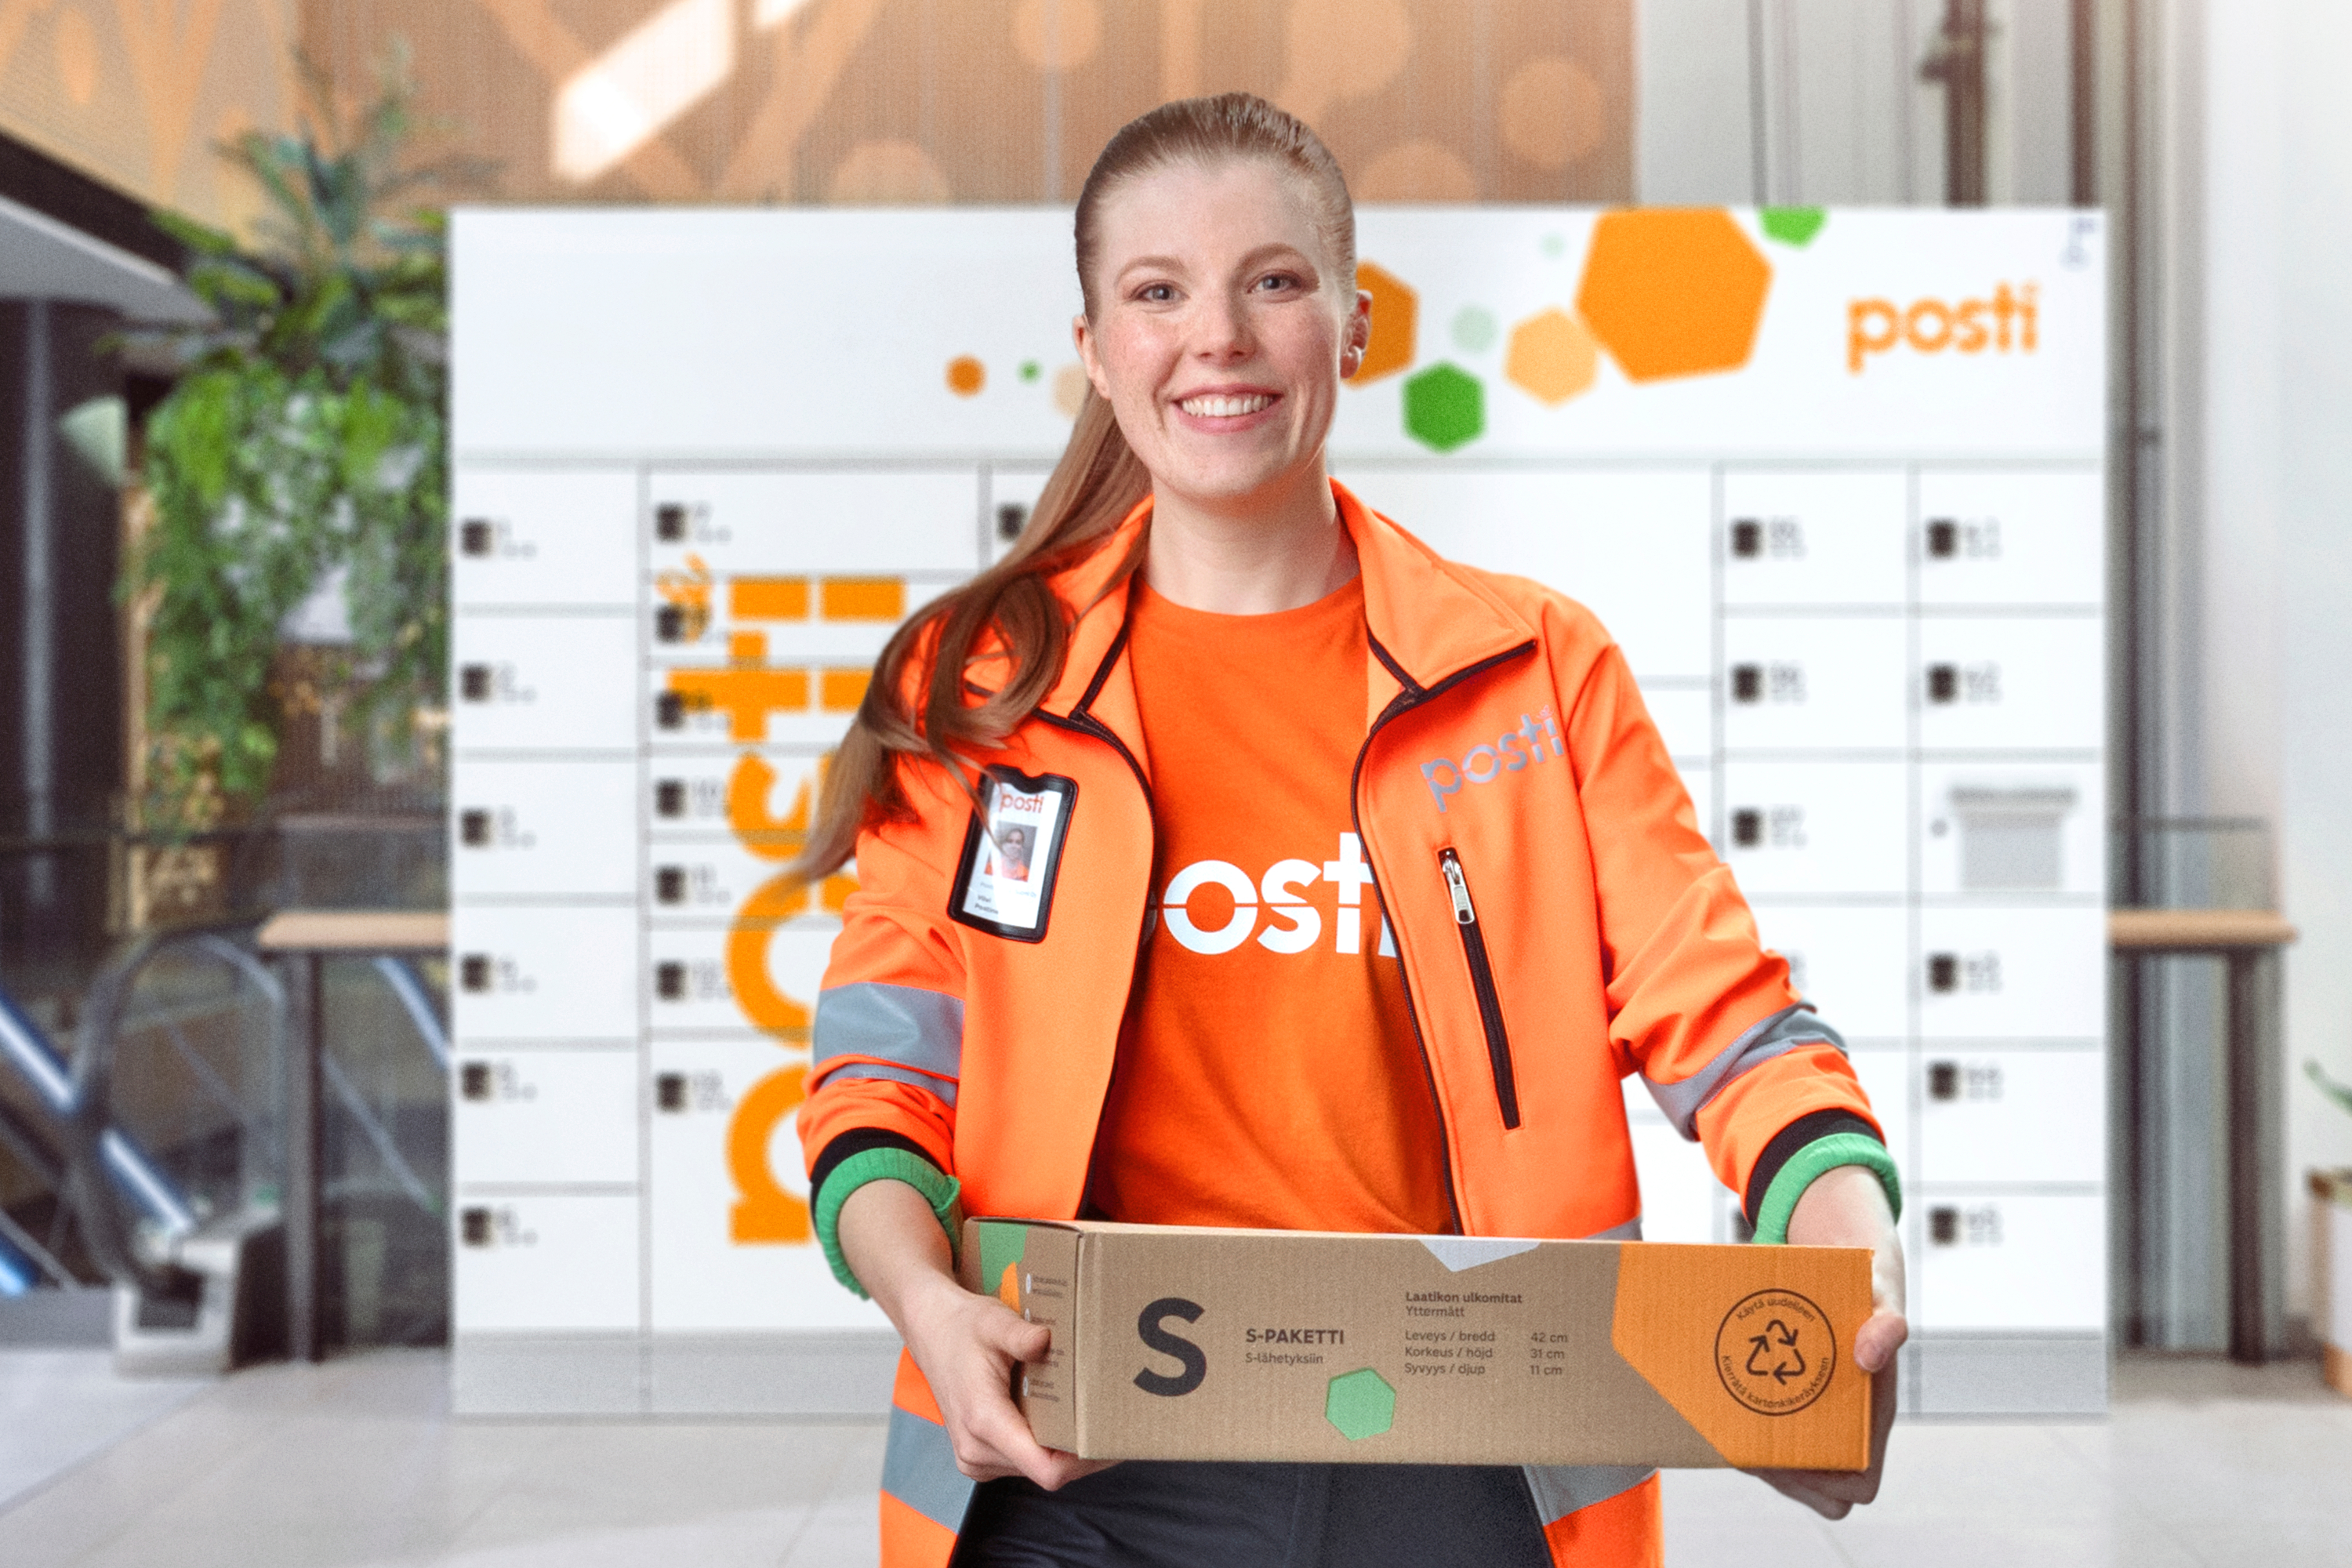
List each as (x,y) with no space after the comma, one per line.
(2277,514)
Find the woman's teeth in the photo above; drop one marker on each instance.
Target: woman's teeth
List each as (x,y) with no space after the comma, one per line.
(1208,408)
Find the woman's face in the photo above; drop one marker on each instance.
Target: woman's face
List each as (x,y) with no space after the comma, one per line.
(1221,330)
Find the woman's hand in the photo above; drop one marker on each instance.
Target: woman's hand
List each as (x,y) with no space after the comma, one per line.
(1845,1207)
(966,1345)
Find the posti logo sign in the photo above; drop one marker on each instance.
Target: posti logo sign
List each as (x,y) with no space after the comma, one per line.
(2006,319)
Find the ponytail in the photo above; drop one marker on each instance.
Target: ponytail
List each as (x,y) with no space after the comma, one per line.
(1097,482)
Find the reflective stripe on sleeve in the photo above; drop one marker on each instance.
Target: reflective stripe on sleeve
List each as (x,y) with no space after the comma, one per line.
(918,1469)
(1777,1036)
(902,1032)
(1562,1489)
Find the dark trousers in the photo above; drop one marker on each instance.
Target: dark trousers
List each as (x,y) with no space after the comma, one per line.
(1151,1515)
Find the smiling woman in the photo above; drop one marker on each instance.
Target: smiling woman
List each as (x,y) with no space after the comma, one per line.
(1097,963)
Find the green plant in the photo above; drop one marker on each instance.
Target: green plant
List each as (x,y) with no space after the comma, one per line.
(2340,1093)
(305,436)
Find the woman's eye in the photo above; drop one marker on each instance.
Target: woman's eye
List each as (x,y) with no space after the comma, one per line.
(1156,293)
(1274,282)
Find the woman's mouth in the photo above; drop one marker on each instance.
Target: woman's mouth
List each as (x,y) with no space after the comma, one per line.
(1225,405)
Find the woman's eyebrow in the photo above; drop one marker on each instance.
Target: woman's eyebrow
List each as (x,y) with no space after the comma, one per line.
(1273,248)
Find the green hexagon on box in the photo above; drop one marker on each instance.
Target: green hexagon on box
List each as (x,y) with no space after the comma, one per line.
(1360,1404)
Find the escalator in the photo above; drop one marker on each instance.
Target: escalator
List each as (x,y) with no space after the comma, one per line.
(148,1157)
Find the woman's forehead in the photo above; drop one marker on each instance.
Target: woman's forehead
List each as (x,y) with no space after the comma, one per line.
(1190,210)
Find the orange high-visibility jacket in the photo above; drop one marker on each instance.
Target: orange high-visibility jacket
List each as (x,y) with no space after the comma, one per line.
(1506,756)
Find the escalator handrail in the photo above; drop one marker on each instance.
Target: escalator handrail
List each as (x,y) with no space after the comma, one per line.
(96,1151)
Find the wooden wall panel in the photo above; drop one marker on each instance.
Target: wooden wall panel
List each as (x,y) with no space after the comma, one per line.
(1008,101)
(137,92)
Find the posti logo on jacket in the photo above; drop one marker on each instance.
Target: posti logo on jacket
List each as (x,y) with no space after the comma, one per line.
(1276,906)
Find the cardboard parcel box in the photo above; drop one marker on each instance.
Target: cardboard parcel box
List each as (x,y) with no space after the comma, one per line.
(1177,1344)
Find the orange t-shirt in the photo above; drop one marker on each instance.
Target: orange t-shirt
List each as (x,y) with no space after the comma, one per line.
(1268,1074)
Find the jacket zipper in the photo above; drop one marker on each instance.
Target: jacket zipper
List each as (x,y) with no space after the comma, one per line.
(1413,696)
(1482,981)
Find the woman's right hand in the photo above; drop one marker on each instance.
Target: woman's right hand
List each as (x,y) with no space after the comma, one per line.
(966,1345)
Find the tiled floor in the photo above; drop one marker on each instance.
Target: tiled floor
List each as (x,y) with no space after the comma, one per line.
(356,1465)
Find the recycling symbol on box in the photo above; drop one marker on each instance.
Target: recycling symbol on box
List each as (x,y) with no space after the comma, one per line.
(1776,1353)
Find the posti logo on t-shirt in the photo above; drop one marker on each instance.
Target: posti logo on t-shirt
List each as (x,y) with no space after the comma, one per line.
(1274,905)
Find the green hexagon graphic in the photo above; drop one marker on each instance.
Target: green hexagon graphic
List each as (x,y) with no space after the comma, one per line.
(1792,225)
(1360,1404)
(1444,406)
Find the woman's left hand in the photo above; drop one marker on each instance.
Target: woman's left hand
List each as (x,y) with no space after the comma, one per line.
(1845,1207)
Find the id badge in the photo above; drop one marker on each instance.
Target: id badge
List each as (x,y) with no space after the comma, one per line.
(1012,853)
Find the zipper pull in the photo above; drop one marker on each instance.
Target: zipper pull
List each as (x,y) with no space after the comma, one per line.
(1459,886)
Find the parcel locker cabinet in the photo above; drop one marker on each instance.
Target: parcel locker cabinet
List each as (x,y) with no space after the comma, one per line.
(1814,828)
(2012,832)
(1987,537)
(1630,546)
(731,1241)
(554,1261)
(1818,537)
(1852,966)
(736,976)
(844,523)
(550,829)
(1814,685)
(2007,1260)
(537,539)
(543,683)
(542,973)
(1996,1116)
(545,1118)
(2003,685)
(2014,973)
(694,883)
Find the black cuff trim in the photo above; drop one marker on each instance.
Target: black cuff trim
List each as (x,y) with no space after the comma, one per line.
(857,1140)
(1783,1148)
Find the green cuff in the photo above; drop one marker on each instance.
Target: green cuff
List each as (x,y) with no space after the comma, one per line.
(939,1190)
(1820,1156)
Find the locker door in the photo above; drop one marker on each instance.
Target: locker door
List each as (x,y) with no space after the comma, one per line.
(2013,685)
(1993,538)
(2004,828)
(1821,537)
(547,1261)
(841,522)
(742,977)
(1814,685)
(2013,974)
(543,974)
(1998,1260)
(544,1116)
(1815,827)
(552,828)
(540,539)
(542,683)
(1994,1116)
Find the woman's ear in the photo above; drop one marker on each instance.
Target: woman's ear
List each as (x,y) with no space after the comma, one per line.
(1359,334)
(1082,335)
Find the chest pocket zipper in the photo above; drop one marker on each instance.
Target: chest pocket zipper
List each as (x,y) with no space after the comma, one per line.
(1482,981)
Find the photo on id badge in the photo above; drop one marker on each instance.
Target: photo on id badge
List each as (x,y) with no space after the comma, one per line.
(1006,883)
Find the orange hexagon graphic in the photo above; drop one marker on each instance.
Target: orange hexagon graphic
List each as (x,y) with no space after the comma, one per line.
(1674,292)
(1552,355)
(1395,312)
